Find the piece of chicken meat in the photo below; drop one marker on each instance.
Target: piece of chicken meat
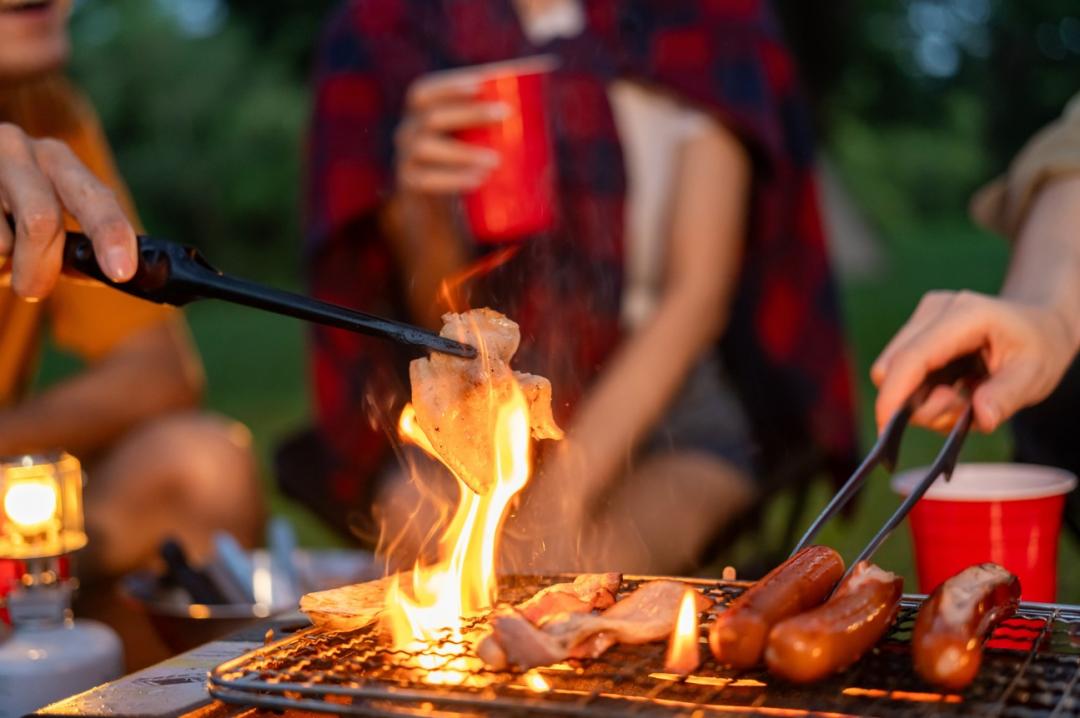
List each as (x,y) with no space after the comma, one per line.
(588,591)
(457,400)
(648,614)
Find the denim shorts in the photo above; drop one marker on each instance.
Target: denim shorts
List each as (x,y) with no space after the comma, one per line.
(705,417)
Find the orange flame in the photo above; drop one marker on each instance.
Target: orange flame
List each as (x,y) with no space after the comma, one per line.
(449,289)
(684,654)
(427,618)
(536,682)
(914,697)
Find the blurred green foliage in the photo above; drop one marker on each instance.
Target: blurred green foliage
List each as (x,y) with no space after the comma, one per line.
(206,130)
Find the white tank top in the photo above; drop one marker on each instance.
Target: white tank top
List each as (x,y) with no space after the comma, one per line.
(653,128)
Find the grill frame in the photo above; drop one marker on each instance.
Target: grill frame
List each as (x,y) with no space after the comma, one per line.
(1013,681)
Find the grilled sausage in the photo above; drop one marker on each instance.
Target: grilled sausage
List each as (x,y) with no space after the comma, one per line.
(956,619)
(831,637)
(737,636)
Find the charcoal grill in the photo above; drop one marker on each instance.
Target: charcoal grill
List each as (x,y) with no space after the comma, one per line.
(1031,668)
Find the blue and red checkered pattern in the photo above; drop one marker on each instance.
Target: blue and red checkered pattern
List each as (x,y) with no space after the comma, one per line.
(784,345)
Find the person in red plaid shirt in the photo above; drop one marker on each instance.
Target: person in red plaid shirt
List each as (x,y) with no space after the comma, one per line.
(683,307)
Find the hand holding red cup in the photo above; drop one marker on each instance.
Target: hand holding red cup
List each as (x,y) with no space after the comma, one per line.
(482,132)
(430,160)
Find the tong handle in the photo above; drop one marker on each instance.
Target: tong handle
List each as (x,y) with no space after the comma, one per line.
(969,368)
(171,273)
(166,273)
(944,464)
(886,450)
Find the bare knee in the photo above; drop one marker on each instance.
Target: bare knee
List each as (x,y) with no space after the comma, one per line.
(663,514)
(202,462)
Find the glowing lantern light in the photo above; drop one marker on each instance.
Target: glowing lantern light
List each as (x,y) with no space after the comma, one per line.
(30,504)
(41,502)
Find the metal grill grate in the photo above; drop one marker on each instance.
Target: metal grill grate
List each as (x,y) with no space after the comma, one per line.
(1031,668)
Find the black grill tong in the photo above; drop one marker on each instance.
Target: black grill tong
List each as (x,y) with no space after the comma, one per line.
(964,373)
(171,273)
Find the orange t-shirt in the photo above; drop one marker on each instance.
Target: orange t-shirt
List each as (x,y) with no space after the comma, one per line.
(86,318)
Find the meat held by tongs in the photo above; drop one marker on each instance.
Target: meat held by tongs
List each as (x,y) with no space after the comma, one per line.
(457,400)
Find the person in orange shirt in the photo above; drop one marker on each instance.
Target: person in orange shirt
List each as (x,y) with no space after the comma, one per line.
(157,467)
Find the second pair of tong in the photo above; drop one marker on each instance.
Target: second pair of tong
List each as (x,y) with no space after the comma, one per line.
(963,372)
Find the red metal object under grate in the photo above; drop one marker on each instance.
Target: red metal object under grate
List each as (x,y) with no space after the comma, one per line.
(1031,668)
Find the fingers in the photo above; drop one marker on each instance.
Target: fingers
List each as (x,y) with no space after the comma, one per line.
(430,159)
(929,308)
(462,116)
(433,91)
(960,325)
(940,410)
(95,207)
(433,180)
(439,150)
(1003,394)
(27,193)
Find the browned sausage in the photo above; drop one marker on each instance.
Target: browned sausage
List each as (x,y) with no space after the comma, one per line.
(737,636)
(834,635)
(956,619)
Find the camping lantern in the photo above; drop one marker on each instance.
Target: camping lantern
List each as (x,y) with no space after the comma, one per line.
(47,655)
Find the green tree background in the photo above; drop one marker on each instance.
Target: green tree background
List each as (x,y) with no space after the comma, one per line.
(917,102)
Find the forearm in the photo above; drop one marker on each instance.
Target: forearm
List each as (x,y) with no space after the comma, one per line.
(428,250)
(87,412)
(704,251)
(638,385)
(1045,267)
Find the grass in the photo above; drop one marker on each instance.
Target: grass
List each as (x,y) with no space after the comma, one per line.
(257,373)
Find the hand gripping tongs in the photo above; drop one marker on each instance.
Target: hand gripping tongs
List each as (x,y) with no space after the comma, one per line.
(964,373)
(170,273)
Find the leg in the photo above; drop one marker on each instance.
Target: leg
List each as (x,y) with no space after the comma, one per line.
(661,516)
(184,476)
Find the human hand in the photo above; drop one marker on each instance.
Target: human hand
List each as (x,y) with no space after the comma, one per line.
(39,179)
(1026,348)
(429,159)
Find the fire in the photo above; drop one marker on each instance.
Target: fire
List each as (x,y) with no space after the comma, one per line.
(915,697)
(536,682)
(427,616)
(450,288)
(684,653)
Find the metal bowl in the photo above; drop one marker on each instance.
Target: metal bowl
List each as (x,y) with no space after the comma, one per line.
(183,625)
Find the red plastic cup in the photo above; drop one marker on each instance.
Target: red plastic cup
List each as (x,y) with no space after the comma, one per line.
(518,198)
(1009,514)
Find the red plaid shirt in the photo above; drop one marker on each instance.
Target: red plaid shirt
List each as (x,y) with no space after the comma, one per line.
(784,344)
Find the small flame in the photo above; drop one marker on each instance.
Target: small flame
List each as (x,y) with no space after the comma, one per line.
(450,288)
(684,654)
(915,697)
(536,682)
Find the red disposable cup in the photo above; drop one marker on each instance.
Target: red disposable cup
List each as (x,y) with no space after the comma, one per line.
(1009,514)
(518,197)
